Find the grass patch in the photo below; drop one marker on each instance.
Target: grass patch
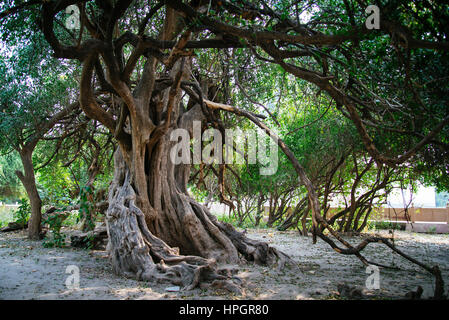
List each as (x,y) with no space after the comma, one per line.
(385,225)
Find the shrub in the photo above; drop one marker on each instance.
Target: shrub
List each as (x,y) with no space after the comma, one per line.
(56,238)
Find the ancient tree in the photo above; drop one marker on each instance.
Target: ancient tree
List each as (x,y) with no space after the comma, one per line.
(156,230)
(32,107)
(138,61)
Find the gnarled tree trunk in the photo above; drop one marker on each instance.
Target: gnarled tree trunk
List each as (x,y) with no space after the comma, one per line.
(156,230)
(29,182)
(149,231)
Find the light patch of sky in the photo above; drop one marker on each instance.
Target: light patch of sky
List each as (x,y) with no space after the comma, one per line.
(307,14)
(5,51)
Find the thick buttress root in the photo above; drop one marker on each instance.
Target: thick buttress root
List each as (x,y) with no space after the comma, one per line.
(251,250)
(136,253)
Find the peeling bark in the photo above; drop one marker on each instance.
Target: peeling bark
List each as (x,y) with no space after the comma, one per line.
(156,230)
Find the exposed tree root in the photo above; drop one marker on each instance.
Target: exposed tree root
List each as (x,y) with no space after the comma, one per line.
(351,250)
(136,253)
(91,239)
(319,223)
(251,250)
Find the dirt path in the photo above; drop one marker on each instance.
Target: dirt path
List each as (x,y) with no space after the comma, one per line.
(29,271)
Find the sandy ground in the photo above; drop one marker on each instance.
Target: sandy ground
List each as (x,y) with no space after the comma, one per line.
(29,271)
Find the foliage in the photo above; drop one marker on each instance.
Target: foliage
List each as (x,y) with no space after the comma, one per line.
(6,216)
(386,225)
(87,207)
(33,87)
(10,187)
(401,94)
(55,184)
(56,238)
(23,212)
(248,223)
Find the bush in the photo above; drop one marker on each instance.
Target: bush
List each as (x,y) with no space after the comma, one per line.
(56,238)
(384,225)
(247,223)
(22,214)
(87,208)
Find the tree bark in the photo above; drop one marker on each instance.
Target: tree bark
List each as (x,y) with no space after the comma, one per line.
(156,230)
(165,231)
(28,180)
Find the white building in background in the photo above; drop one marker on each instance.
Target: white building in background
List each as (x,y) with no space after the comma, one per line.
(424,197)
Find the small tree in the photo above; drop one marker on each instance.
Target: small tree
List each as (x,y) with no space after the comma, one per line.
(30,106)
